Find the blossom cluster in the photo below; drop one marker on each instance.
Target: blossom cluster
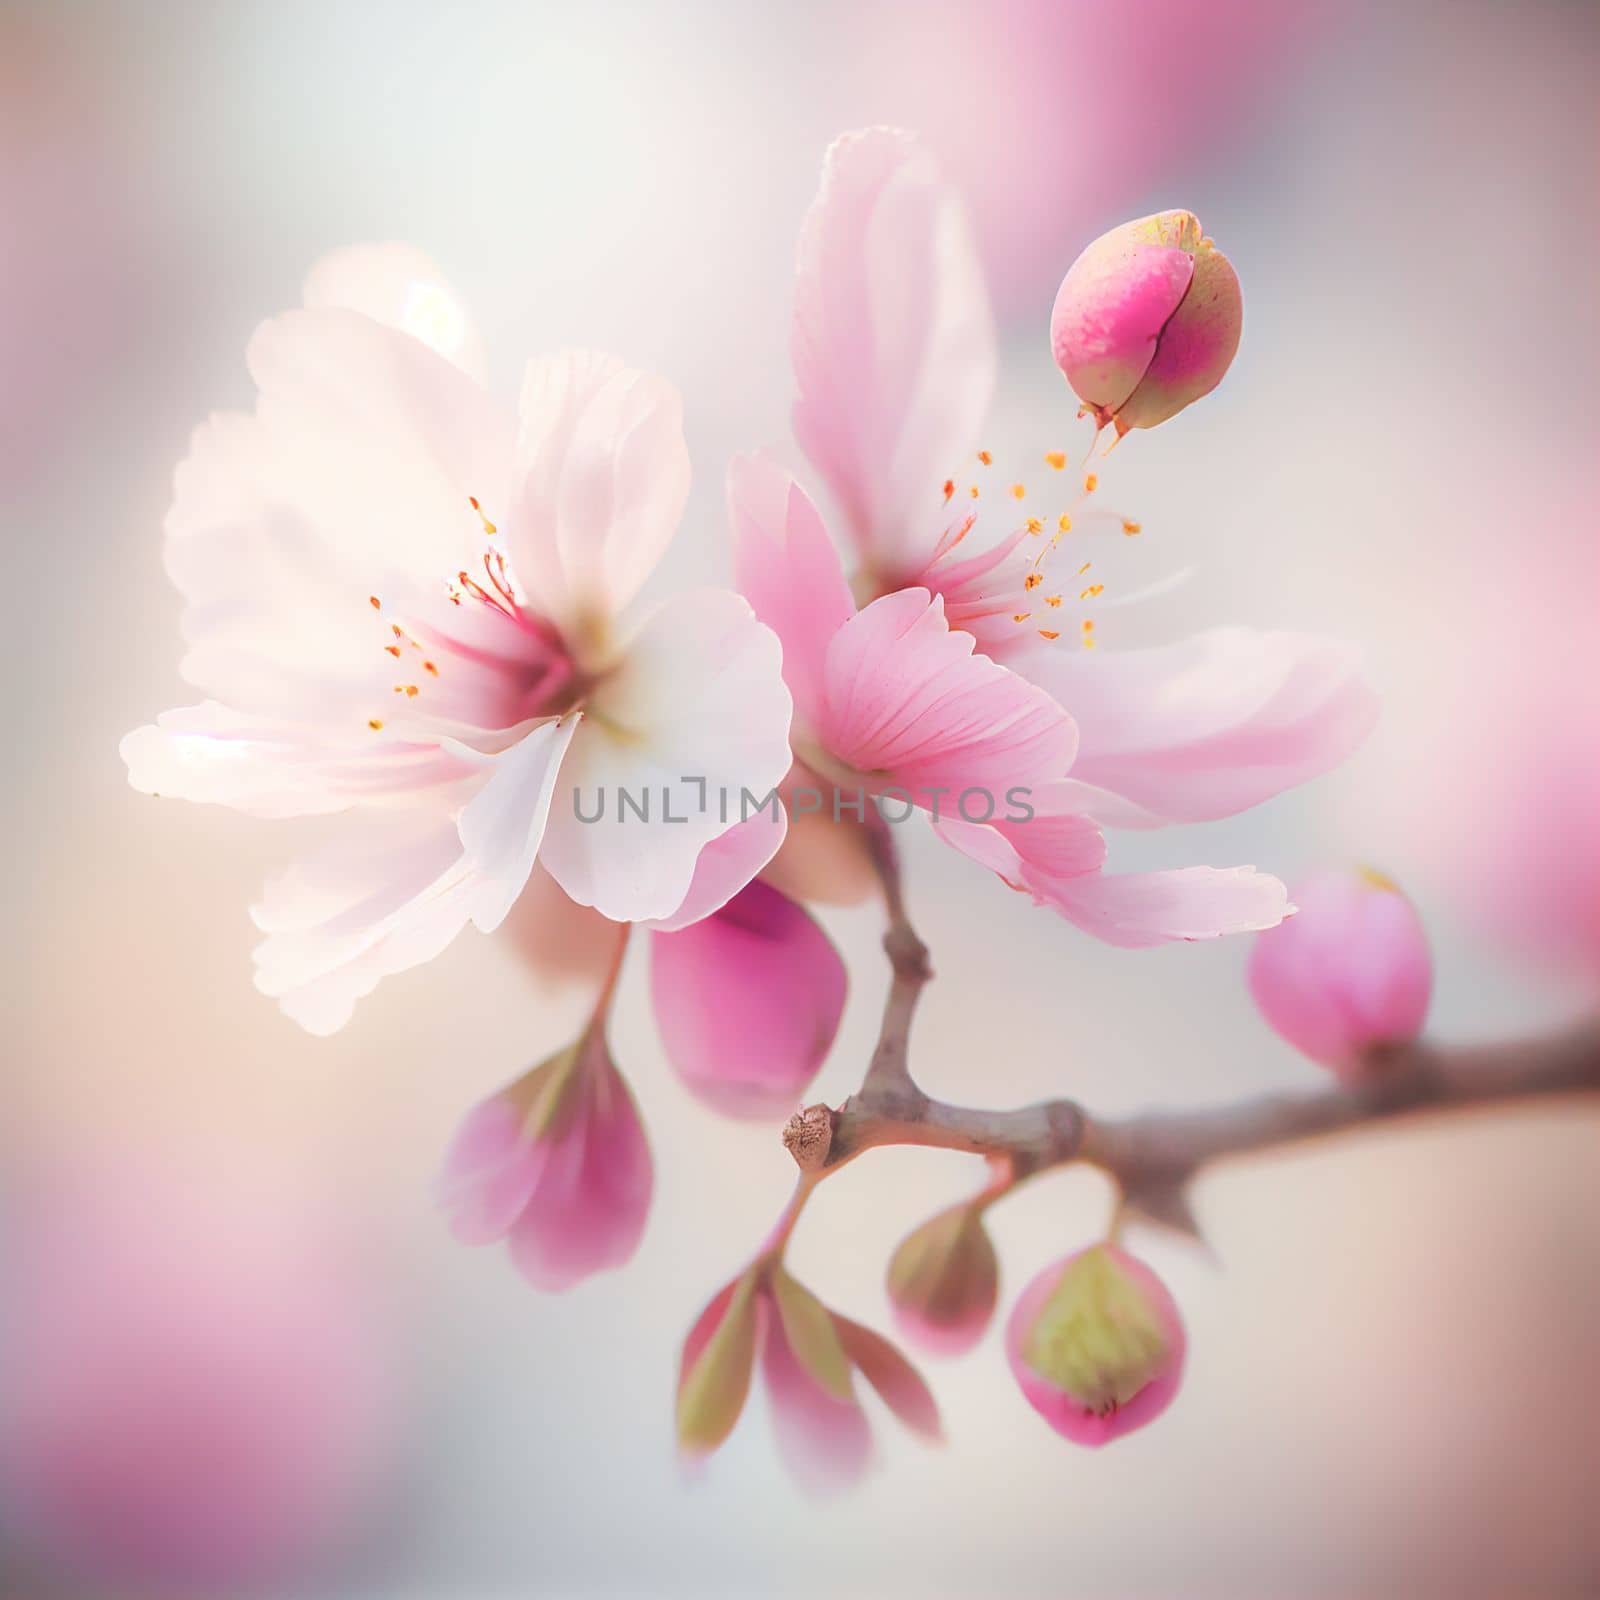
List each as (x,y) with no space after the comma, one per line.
(418,612)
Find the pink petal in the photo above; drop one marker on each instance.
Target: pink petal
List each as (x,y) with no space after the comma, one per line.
(399,286)
(588,1209)
(604,478)
(893,344)
(825,1443)
(696,711)
(908,701)
(1350,969)
(490,1171)
(1211,725)
(898,1384)
(787,568)
(1138,909)
(747,1002)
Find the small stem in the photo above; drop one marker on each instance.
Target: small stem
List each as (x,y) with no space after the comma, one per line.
(771,1253)
(888,1075)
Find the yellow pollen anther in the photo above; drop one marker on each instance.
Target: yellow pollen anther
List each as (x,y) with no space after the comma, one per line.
(397,630)
(1064,523)
(1091,483)
(1052,600)
(428,666)
(1092,591)
(1033,580)
(1088,624)
(1056,461)
(374,602)
(1021,616)
(1035,525)
(374,723)
(1129,528)
(985,457)
(1018,490)
(411,691)
(1048,633)
(393,650)
(973,491)
(1084,568)
(488,526)
(949,487)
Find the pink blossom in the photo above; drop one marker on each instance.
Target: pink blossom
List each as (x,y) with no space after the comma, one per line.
(1350,970)
(890,700)
(557,1166)
(810,1358)
(1097,1345)
(197,1394)
(747,1001)
(409,605)
(894,361)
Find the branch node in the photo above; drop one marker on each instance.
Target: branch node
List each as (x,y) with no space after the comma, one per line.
(808,1136)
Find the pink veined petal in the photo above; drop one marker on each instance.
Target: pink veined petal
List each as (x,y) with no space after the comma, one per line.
(588,1209)
(725,866)
(490,1172)
(695,713)
(909,702)
(272,768)
(747,1002)
(893,343)
(787,568)
(387,893)
(1210,725)
(604,474)
(825,1443)
(898,1384)
(503,824)
(399,286)
(1139,909)
(1056,843)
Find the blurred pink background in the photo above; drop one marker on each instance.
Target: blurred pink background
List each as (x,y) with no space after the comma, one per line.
(1394,1370)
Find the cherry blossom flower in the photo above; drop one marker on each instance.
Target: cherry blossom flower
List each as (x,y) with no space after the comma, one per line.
(890,700)
(810,1358)
(894,360)
(408,605)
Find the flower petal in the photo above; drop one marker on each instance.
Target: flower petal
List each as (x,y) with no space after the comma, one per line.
(399,286)
(694,714)
(271,768)
(825,1442)
(747,1002)
(714,1372)
(725,867)
(1138,909)
(503,823)
(893,343)
(788,570)
(898,1384)
(490,1171)
(908,701)
(387,893)
(604,474)
(1212,724)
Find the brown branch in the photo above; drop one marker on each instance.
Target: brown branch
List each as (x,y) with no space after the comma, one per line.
(1152,1157)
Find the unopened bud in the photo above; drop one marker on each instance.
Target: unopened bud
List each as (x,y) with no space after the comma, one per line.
(943,1281)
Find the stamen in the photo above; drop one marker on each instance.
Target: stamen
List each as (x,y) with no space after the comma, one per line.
(1092,592)
(985,458)
(1021,616)
(1052,600)
(1035,525)
(1049,633)
(1056,460)
(375,723)
(374,602)
(1033,580)
(973,491)
(1018,490)
(488,526)
(393,650)
(949,489)
(1091,483)
(1129,528)
(1064,523)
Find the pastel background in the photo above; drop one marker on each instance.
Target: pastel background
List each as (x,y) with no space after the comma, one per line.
(1394,1379)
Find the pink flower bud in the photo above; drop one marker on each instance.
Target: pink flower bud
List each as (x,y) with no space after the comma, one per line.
(1147,320)
(1097,1345)
(747,1002)
(943,1281)
(557,1165)
(1349,970)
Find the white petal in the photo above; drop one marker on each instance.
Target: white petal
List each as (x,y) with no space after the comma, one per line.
(695,713)
(604,474)
(503,823)
(725,866)
(399,286)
